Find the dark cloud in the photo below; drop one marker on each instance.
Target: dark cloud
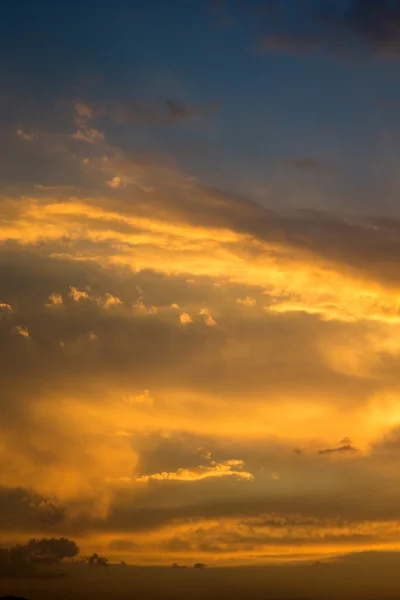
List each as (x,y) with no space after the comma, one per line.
(122,545)
(346,447)
(166,112)
(322,511)
(22,509)
(204,540)
(377,22)
(341,27)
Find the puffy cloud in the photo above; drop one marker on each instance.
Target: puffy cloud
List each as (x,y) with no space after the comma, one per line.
(248,301)
(106,301)
(22,331)
(77,294)
(115,182)
(109,300)
(89,136)
(5,309)
(185,319)
(57,300)
(208,318)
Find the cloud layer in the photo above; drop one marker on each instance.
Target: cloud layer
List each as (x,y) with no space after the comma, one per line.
(181,366)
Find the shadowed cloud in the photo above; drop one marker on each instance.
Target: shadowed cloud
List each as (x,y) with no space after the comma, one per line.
(341,27)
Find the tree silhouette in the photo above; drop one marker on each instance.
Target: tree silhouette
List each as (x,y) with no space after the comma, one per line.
(98,561)
(51,550)
(23,558)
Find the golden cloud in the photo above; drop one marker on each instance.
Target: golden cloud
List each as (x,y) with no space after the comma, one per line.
(228,467)
(255,335)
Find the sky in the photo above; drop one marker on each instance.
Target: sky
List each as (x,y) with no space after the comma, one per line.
(199,280)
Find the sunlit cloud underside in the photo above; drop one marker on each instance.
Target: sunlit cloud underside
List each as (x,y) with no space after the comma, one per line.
(186,373)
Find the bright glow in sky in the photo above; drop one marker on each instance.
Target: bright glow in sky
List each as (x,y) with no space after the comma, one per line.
(199,280)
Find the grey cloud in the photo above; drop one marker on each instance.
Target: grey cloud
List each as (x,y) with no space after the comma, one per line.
(377,22)
(167,112)
(389,444)
(122,545)
(22,509)
(257,507)
(345,448)
(143,515)
(232,542)
(129,342)
(341,27)
(368,245)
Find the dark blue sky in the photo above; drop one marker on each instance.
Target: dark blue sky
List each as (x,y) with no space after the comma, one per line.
(308,92)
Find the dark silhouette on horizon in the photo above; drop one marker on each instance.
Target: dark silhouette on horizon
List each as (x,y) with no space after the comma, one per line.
(24,559)
(98,561)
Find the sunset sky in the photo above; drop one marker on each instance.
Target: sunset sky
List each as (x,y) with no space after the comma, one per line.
(200,277)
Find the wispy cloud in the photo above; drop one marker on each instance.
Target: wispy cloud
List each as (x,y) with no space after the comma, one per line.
(229,467)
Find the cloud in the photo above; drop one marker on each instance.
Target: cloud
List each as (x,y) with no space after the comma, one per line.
(208,318)
(27,137)
(341,27)
(377,23)
(229,467)
(5,309)
(109,300)
(185,319)
(28,511)
(56,299)
(115,182)
(90,136)
(83,110)
(345,446)
(78,295)
(248,301)
(22,331)
(106,301)
(134,112)
(144,399)
(115,388)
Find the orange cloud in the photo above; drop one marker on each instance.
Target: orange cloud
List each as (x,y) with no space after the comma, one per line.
(229,467)
(185,319)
